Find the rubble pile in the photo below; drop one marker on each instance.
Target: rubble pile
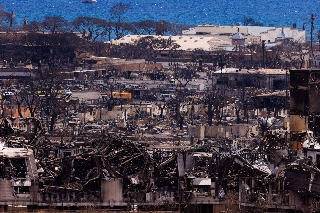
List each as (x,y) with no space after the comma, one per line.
(216,150)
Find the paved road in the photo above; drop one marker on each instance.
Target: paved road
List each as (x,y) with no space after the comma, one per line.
(153,84)
(85,95)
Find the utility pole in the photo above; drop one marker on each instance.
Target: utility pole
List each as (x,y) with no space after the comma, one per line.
(311,32)
(263,49)
(319,40)
(319,44)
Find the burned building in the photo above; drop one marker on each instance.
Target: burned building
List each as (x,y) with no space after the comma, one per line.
(19,181)
(271,79)
(304,105)
(227,167)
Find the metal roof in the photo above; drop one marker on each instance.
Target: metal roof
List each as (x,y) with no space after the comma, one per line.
(238,35)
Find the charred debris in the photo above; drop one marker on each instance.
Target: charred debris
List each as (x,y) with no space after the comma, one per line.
(146,155)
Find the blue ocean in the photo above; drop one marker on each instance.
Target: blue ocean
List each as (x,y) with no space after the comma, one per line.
(187,12)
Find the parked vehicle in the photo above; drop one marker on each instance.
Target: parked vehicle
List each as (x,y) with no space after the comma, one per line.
(118,95)
(166,97)
(7,93)
(67,92)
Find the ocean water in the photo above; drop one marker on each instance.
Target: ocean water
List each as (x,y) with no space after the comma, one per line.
(187,12)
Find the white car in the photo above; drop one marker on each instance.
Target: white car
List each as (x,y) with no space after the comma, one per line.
(7,93)
(67,92)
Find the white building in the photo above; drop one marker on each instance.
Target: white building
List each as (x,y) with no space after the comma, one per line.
(186,43)
(255,34)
